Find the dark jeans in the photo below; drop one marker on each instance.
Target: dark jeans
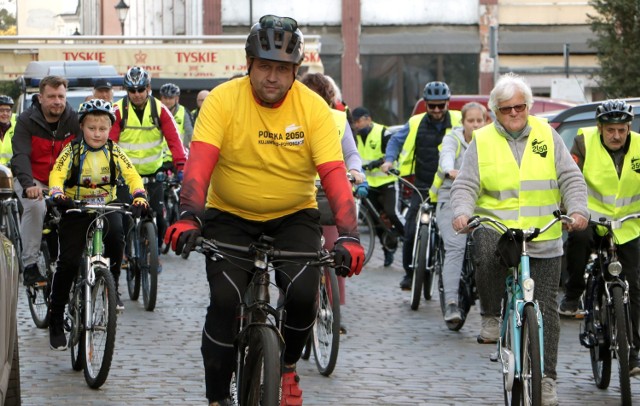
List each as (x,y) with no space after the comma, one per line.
(579,247)
(387,198)
(410,231)
(72,233)
(228,281)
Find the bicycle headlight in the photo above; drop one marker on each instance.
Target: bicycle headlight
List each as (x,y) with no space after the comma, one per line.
(425,217)
(528,285)
(615,268)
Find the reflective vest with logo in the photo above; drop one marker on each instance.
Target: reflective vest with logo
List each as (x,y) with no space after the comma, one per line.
(524,196)
(142,142)
(611,196)
(179,117)
(406,158)
(371,150)
(6,150)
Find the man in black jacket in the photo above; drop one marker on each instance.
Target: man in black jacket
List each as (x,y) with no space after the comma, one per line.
(41,133)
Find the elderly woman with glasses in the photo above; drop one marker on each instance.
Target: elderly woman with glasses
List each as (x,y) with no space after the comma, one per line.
(518,171)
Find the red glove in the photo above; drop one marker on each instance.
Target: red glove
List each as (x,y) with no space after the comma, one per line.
(182,235)
(348,256)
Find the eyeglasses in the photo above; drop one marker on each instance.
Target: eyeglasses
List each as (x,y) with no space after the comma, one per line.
(519,108)
(433,106)
(286,23)
(5,111)
(137,90)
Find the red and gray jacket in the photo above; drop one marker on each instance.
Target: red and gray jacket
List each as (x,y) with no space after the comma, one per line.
(36,146)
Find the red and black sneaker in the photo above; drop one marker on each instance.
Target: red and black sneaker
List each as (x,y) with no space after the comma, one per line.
(291,392)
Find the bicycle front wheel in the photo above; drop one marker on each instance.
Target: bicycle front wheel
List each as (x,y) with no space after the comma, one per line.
(38,296)
(622,343)
(75,327)
(99,340)
(600,352)
(133,270)
(326,330)
(367,231)
(421,250)
(148,261)
(527,387)
(259,382)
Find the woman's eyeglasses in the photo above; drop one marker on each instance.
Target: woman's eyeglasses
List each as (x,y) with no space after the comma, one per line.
(519,108)
(286,23)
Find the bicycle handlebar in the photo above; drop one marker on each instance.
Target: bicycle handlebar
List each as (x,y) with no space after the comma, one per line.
(84,207)
(396,173)
(530,232)
(613,224)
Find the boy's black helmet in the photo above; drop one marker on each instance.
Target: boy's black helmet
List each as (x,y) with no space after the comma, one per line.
(276,39)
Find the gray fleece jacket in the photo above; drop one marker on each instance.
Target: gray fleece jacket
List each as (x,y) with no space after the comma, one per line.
(573,189)
(448,159)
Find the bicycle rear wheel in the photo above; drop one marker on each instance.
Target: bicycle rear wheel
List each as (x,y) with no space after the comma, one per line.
(420,271)
(367,231)
(622,342)
(38,295)
(326,330)
(435,259)
(148,261)
(99,341)
(527,387)
(133,270)
(601,352)
(259,382)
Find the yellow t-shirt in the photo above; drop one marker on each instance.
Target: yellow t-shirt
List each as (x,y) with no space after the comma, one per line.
(268,156)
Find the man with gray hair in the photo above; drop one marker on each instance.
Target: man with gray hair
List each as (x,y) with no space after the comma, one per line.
(505,156)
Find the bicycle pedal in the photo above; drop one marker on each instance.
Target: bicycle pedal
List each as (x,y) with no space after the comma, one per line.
(494,357)
(588,340)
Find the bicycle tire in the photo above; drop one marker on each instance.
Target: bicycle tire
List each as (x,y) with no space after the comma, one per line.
(133,271)
(622,342)
(436,259)
(326,330)
(99,341)
(367,230)
(38,296)
(527,387)
(466,289)
(148,262)
(260,374)
(421,251)
(13,234)
(600,353)
(75,327)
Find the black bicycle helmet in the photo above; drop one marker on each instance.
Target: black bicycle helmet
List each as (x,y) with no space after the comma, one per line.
(96,106)
(614,111)
(137,78)
(436,91)
(6,101)
(169,90)
(276,39)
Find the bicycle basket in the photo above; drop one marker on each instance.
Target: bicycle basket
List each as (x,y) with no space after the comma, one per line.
(508,248)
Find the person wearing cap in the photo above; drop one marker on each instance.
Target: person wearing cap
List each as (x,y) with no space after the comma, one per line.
(258,145)
(415,147)
(102,89)
(606,155)
(384,189)
(7,127)
(42,131)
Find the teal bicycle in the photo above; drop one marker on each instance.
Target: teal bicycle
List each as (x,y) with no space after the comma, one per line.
(520,347)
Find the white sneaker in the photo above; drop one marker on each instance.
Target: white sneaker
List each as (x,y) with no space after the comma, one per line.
(490,330)
(549,392)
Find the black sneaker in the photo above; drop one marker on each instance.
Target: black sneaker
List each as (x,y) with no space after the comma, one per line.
(388,257)
(32,275)
(405,283)
(57,339)
(570,307)
(119,304)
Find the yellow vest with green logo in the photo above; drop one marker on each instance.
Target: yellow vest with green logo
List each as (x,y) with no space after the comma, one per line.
(142,142)
(371,150)
(6,150)
(609,196)
(179,117)
(438,178)
(405,160)
(520,197)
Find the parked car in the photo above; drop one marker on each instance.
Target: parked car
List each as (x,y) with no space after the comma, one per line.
(9,365)
(568,121)
(540,104)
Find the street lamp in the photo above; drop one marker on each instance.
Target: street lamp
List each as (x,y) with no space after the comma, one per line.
(122,8)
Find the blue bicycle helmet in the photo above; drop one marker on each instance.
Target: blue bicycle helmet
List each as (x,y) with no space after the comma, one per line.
(136,78)
(614,111)
(98,106)
(436,91)
(276,39)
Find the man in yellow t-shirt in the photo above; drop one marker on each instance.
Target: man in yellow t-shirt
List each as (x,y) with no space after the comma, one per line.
(259,143)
